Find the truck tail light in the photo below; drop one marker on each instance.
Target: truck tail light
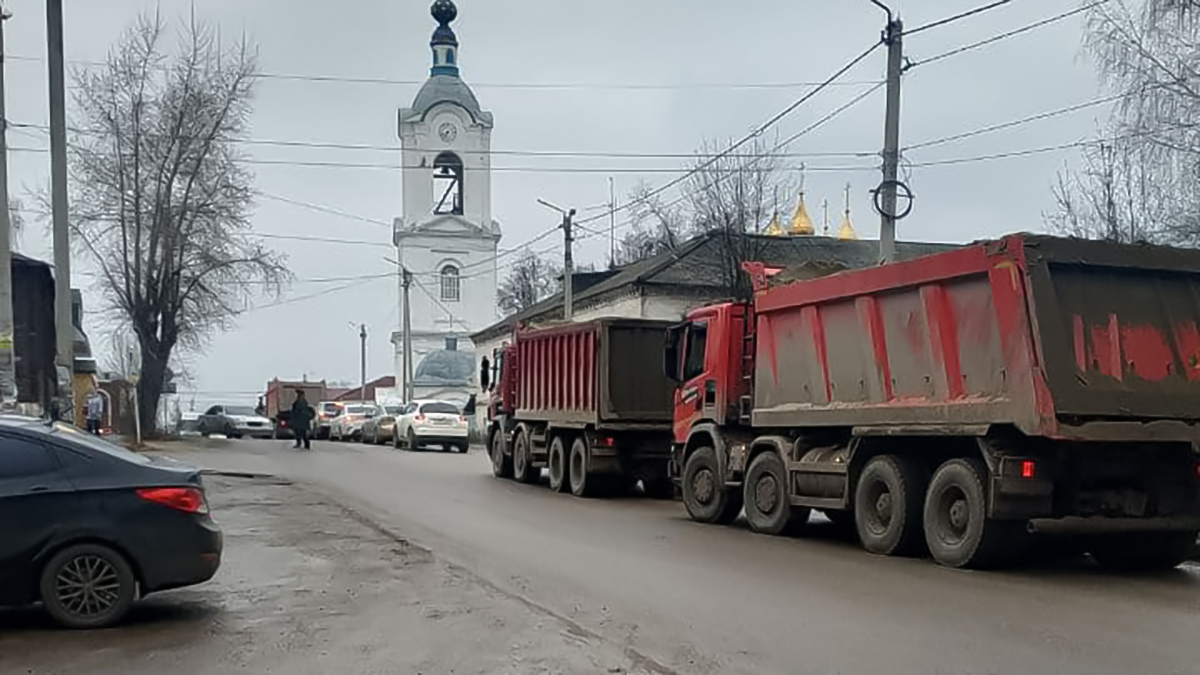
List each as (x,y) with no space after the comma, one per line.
(186,499)
(1196,470)
(603,441)
(1028,469)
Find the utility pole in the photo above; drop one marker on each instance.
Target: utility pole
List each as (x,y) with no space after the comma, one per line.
(568,267)
(893,37)
(612,223)
(568,258)
(406,281)
(362,335)
(64,329)
(8,379)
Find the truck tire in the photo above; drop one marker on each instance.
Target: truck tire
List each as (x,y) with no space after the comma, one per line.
(1144,551)
(887,506)
(767,498)
(522,458)
(584,483)
(704,494)
(557,461)
(501,463)
(957,529)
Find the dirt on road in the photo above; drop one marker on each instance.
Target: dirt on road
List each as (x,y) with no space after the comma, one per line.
(308,586)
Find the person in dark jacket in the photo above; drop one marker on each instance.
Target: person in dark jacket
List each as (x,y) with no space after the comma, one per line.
(300,419)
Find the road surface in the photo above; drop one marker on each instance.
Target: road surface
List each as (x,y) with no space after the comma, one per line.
(680,597)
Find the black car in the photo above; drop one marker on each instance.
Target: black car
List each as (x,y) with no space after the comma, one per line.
(86,526)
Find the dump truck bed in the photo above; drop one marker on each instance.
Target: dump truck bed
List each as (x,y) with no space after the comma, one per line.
(1062,338)
(605,372)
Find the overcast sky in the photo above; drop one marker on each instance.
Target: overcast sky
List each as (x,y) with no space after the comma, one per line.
(643,76)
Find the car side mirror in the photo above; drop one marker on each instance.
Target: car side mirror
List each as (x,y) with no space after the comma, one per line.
(469,408)
(485,374)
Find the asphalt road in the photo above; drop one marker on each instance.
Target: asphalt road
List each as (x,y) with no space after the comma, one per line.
(680,597)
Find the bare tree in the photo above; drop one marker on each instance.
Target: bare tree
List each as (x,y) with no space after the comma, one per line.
(1140,182)
(531,279)
(726,196)
(160,198)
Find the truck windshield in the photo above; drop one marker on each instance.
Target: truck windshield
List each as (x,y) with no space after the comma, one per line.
(693,365)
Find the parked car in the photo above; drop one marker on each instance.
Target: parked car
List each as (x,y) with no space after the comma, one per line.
(425,423)
(234,422)
(381,428)
(326,412)
(347,426)
(89,526)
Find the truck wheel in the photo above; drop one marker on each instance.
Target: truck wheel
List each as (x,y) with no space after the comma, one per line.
(559,482)
(957,529)
(768,501)
(704,494)
(1144,551)
(522,460)
(501,464)
(583,482)
(887,506)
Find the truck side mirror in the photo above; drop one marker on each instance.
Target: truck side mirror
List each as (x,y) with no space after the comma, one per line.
(469,408)
(485,374)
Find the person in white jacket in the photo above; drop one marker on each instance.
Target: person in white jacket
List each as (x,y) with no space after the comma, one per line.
(95,411)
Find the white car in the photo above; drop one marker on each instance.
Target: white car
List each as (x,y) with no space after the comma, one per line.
(347,426)
(425,423)
(234,421)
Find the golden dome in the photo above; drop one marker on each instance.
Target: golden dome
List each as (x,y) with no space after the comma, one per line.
(775,229)
(801,225)
(846,231)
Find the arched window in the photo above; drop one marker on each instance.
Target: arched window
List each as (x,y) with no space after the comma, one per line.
(451,291)
(448,184)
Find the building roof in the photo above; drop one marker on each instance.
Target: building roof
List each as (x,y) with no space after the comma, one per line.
(698,266)
(446,89)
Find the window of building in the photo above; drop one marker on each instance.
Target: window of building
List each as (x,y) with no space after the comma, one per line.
(451,344)
(448,184)
(450,284)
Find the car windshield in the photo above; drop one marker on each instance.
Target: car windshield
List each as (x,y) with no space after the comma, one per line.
(394,409)
(357,410)
(73,435)
(242,411)
(444,408)
(331,408)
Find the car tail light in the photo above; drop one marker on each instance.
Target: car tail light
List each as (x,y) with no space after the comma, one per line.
(419,418)
(186,499)
(462,419)
(1027,469)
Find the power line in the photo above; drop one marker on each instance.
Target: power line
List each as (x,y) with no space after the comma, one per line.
(1004,36)
(323,240)
(1049,148)
(1014,123)
(627,86)
(337,145)
(321,164)
(323,209)
(956,17)
(752,135)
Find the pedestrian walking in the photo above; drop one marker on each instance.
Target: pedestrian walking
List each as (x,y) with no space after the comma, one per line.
(301,418)
(95,410)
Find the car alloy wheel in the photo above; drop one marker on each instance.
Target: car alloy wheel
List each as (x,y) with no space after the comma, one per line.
(87,586)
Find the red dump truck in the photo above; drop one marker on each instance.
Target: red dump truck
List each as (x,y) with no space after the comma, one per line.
(280,397)
(960,402)
(589,401)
